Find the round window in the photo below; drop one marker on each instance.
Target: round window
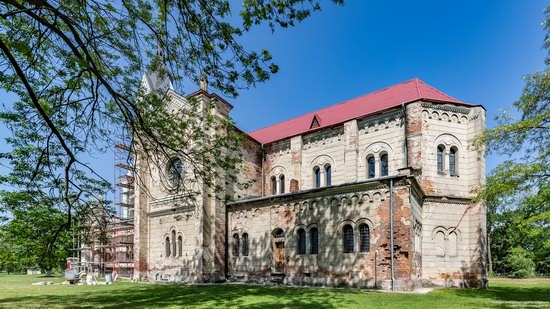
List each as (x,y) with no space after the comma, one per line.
(175,170)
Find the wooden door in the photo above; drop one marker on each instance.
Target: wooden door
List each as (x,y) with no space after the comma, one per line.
(279,257)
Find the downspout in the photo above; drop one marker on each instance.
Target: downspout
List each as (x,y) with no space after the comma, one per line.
(262,159)
(405,149)
(226,258)
(392,266)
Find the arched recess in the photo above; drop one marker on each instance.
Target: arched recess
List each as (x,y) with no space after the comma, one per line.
(448,140)
(344,222)
(453,155)
(377,150)
(275,173)
(371,148)
(321,161)
(439,229)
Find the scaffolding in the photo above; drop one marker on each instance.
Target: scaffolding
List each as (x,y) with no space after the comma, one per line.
(107,240)
(122,232)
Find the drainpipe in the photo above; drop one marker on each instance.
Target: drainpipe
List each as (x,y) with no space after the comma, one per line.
(262,167)
(226,259)
(391,238)
(405,149)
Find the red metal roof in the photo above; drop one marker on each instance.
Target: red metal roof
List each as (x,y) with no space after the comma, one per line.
(406,92)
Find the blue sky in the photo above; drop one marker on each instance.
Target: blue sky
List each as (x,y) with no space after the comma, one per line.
(476,51)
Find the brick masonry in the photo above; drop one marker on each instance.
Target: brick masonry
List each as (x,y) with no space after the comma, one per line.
(439,232)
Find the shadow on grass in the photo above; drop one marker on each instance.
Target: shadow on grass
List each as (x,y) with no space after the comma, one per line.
(155,295)
(504,293)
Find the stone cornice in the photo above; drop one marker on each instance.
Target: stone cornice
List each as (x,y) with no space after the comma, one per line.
(394,114)
(449,108)
(347,188)
(447,200)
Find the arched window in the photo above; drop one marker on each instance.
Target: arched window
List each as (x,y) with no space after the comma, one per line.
(175,170)
(384,165)
(301,241)
(282,183)
(180,246)
(452,161)
(174,252)
(317,176)
(273,185)
(370,167)
(236,244)
(440,159)
(348,238)
(245,244)
(364,238)
(313,241)
(328,172)
(167,247)
(279,233)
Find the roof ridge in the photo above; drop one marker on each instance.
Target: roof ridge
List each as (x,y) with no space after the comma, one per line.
(439,91)
(418,87)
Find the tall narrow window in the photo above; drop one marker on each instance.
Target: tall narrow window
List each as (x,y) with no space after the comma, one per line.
(364,238)
(273,185)
(167,247)
(174,248)
(236,244)
(452,161)
(370,167)
(301,241)
(348,238)
(384,164)
(313,241)
(245,244)
(317,176)
(328,172)
(440,156)
(282,183)
(180,246)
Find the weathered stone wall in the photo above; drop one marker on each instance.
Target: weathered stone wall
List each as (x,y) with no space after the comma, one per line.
(439,235)
(328,210)
(453,244)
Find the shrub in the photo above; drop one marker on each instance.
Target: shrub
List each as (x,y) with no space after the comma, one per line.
(520,262)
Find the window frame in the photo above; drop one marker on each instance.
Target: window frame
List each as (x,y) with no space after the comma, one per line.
(371,165)
(175,176)
(440,159)
(328,175)
(236,244)
(386,171)
(301,241)
(273,185)
(167,247)
(453,162)
(180,246)
(245,250)
(317,177)
(314,240)
(348,238)
(364,238)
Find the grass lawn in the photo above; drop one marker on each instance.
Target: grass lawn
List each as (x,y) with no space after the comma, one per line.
(17,291)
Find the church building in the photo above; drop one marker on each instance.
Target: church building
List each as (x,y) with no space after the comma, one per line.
(374,192)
